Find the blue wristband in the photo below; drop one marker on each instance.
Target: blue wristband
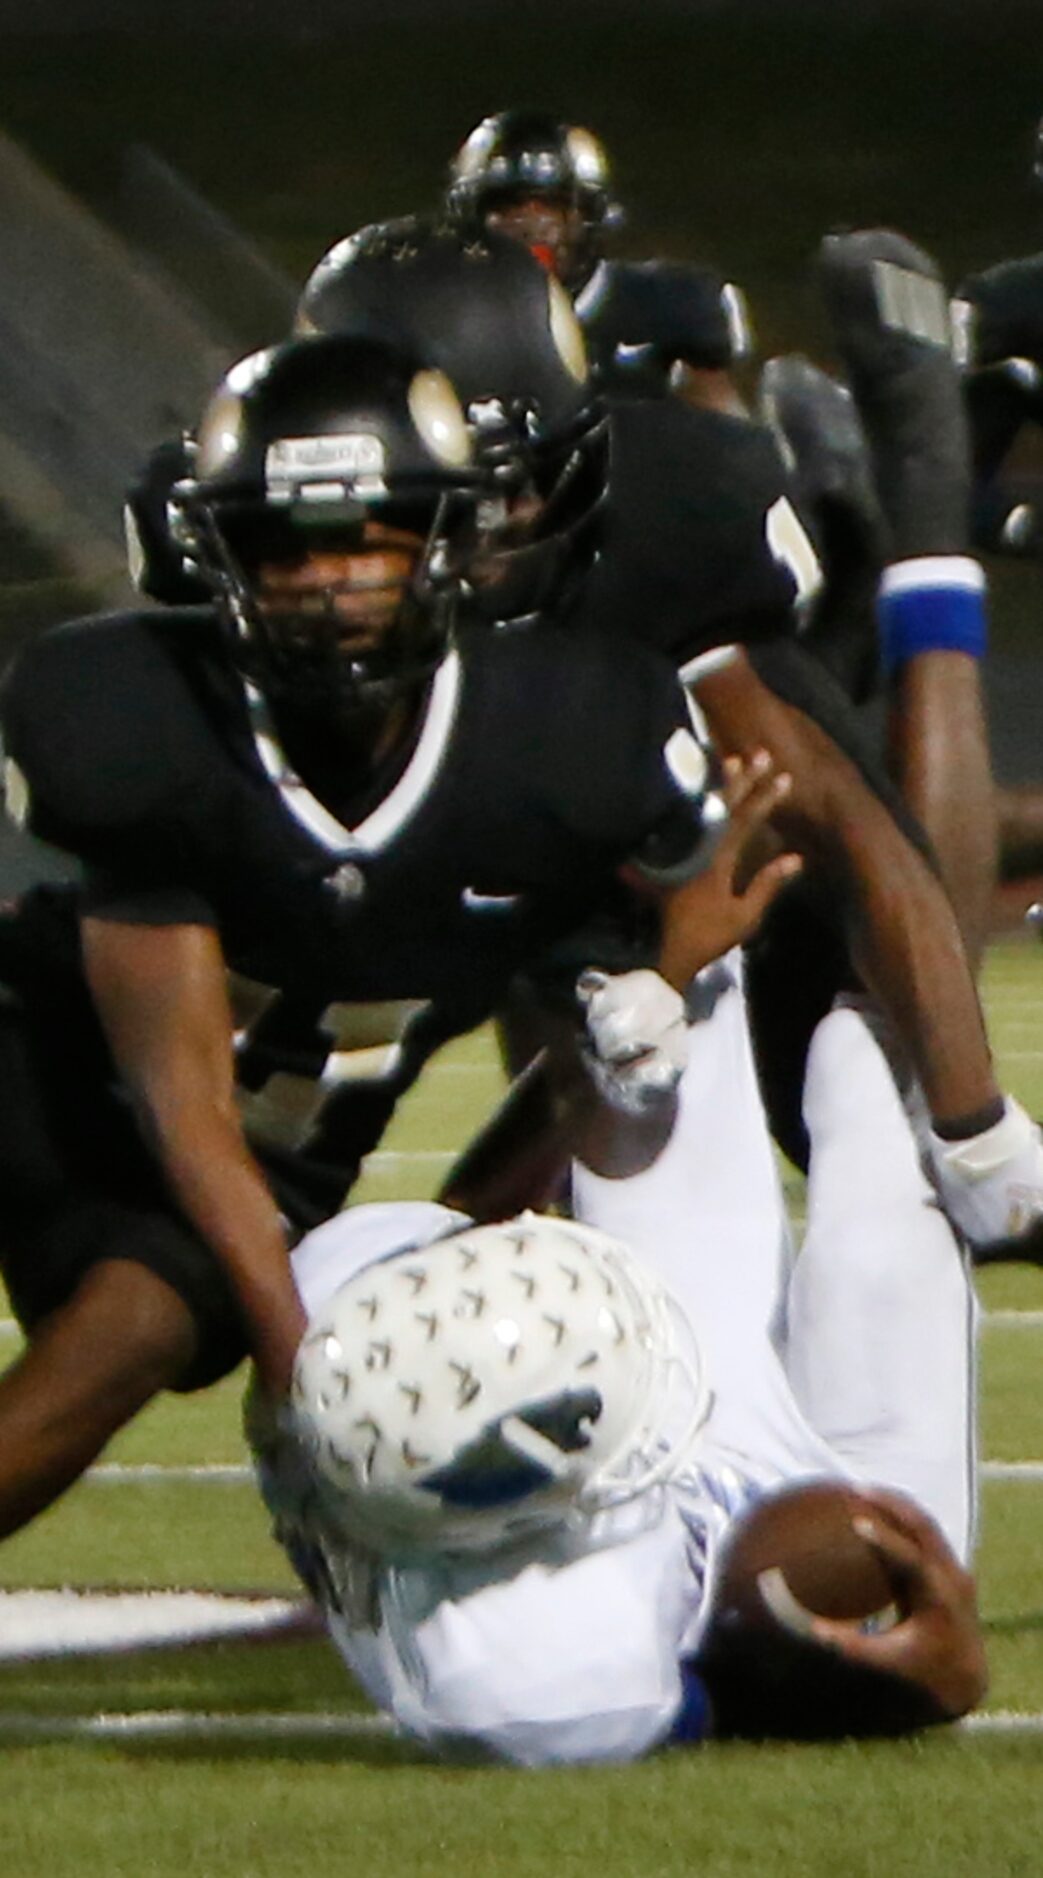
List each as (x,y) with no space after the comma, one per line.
(934,604)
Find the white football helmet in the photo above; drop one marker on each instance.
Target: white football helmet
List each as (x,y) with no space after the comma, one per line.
(504,1379)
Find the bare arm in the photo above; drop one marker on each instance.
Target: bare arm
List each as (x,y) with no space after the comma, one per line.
(903,933)
(552,1110)
(160,994)
(939,756)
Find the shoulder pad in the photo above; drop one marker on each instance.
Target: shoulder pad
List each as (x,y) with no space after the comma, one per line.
(93,717)
(1004,312)
(683,312)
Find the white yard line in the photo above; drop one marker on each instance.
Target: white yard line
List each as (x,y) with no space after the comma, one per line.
(222,1473)
(185,1725)
(37,1624)
(188,1725)
(1002,1721)
(116,1473)
(435,1156)
(1030,1471)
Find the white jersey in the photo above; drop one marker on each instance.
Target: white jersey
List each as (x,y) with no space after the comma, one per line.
(580,1647)
(470,1652)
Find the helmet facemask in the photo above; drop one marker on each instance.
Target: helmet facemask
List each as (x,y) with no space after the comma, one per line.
(333,516)
(540,529)
(520,157)
(539,538)
(554,225)
(314,645)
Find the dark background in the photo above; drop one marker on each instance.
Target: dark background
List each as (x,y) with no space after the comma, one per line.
(740,133)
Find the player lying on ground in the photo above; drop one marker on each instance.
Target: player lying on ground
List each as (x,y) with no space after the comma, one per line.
(525,1466)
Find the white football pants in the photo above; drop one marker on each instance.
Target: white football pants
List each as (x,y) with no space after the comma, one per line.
(856,1358)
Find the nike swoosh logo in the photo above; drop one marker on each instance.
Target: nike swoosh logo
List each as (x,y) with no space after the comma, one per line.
(476,902)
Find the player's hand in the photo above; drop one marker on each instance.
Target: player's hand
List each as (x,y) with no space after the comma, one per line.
(991,1184)
(723,906)
(635,1042)
(636,1031)
(936,1643)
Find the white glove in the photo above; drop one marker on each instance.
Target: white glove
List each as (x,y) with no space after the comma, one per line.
(636,1045)
(991,1185)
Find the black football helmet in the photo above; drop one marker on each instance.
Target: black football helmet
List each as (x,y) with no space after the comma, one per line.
(301,448)
(518,154)
(505,333)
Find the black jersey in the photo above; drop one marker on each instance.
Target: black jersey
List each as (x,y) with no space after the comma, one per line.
(998,317)
(702,545)
(1000,312)
(640,317)
(361,939)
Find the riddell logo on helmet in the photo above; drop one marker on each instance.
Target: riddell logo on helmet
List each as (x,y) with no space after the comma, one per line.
(294,459)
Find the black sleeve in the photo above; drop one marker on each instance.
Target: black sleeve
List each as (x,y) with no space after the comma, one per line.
(688,560)
(1001,312)
(691,314)
(634,777)
(95,733)
(130,899)
(1000,400)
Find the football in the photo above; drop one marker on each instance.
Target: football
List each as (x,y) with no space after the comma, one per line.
(796,1555)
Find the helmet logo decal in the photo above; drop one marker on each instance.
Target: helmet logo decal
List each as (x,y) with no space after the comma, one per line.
(472,158)
(220,433)
(16,793)
(520,1454)
(588,158)
(291,461)
(435,410)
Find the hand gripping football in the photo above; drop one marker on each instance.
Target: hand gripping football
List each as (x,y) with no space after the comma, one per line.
(797,1555)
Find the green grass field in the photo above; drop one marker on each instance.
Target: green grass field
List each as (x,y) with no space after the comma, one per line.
(246,1759)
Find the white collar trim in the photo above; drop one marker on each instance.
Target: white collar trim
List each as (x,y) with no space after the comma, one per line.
(402,801)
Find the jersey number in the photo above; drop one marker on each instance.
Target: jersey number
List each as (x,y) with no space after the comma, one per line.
(791,548)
